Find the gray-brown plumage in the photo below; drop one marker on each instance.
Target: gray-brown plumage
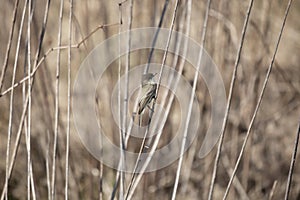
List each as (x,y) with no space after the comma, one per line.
(148,91)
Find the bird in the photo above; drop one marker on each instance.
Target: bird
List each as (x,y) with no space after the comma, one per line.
(148,93)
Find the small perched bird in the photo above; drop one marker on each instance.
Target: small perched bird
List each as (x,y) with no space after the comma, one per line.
(148,91)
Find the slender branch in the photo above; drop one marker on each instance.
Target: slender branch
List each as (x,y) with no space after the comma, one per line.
(91,33)
(273,190)
(69,102)
(11,32)
(292,166)
(121,135)
(50,50)
(47,156)
(156,35)
(30,181)
(127,67)
(57,75)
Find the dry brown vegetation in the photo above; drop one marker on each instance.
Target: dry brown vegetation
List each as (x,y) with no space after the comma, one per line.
(264,168)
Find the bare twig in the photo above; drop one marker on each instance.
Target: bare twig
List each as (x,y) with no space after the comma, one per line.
(47,156)
(237,184)
(292,166)
(91,33)
(69,102)
(100,181)
(121,134)
(100,163)
(273,190)
(57,76)
(30,181)
(50,50)
(11,31)
(156,35)
(125,108)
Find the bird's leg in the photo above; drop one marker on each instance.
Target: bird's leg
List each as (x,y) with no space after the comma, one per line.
(133,115)
(140,121)
(150,108)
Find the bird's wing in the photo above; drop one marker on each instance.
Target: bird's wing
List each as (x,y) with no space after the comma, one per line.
(148,94)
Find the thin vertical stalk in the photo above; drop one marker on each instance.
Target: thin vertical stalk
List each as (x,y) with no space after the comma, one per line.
(156,35)
(273,190)
(42,34)
(29,172)
(36,65)
(121,138)
(69,102)
(232,83)
(57,76)
(50,50)
(11,102)
(125,108)
(100,181)
(11,32)
(16,146)
(292,166)
(47,166)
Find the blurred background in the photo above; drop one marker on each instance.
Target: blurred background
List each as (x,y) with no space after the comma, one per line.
(264,168)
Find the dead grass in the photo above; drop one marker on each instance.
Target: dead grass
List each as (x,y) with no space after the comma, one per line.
(267,156)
